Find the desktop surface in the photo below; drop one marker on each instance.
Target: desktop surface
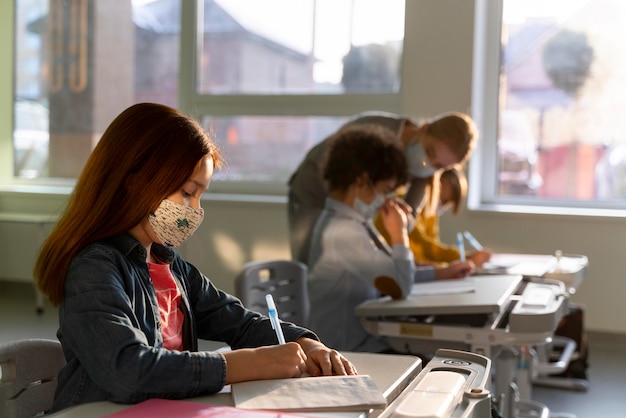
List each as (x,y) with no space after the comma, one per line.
(489,296)
(391,373)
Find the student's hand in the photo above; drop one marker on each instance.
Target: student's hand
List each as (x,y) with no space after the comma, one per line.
(323,361)
(270,362)
(408,210)
(394,218)
(480,257)
(455,270)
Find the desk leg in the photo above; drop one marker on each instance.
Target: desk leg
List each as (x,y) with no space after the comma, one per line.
(514,368)
(525,369)
(505,391)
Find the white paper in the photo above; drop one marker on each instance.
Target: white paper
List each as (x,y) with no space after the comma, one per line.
(444,287)
(336,393)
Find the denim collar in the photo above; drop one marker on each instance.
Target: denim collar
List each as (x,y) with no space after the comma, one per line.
(131,247)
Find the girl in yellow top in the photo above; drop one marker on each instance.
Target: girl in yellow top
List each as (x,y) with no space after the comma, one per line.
(445,190)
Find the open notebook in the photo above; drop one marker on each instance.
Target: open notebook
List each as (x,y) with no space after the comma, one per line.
(310,394)
(529,265)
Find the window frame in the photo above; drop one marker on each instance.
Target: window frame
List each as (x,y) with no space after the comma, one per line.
(199,104)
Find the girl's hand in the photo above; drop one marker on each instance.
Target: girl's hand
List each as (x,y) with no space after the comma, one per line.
(455,270)
(323,361)
(408,210)
(480,257)
(267,362)
(394,218)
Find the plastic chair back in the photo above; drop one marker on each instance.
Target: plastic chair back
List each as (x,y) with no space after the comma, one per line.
(29,376)
(285,280)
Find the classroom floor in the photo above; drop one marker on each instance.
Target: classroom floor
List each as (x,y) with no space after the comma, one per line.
(606,396)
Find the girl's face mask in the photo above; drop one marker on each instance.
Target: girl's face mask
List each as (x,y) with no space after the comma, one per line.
(174,223)
(442,208)
(418,161)
(369,210)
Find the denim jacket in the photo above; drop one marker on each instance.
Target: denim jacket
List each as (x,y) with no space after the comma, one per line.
(109,328)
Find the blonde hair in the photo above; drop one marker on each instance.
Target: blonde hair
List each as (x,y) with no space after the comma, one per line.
(457,130)
(452,178)
(455,179)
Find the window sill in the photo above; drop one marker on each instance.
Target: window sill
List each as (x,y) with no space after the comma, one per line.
(560,211)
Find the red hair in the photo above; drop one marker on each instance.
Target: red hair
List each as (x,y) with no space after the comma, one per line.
(144,155)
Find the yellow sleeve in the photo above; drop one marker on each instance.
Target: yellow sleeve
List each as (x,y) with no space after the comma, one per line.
(425,243)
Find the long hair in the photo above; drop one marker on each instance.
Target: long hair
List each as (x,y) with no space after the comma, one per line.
(453,180)
(145,155)
(360,149)
(457,130)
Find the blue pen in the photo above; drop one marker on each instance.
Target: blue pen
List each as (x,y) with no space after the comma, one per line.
(273,314)
(461,245)
(473,241)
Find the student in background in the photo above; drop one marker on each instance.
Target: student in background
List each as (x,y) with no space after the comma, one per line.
(442,142)
(445,190)
(349,262)
(131,309)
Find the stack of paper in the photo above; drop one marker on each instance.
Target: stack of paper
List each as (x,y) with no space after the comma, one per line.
(310,394)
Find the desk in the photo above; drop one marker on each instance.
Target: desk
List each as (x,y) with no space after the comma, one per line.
(568,268)
(391,373)
(503,313)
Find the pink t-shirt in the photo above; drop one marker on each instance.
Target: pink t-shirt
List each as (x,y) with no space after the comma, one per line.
(168,297)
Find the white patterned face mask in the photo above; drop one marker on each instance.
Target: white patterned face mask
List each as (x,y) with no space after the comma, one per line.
(173,223)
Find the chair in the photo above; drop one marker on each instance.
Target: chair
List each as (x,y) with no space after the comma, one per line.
(29,376)
(285,280)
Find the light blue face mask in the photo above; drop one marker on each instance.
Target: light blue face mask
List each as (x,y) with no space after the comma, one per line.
(441,209)
(369,210)
(418,161)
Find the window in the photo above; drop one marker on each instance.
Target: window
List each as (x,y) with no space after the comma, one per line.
(305,47)
(269,78)
(561,74)
(273,78)
(77,65)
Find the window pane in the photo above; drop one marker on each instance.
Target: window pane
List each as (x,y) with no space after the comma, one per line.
(31,120)
(260,148)
(562,134)
(79,63)
(303,47)
(77,67)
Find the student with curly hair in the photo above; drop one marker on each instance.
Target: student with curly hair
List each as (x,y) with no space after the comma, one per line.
(442,142)
(349,261)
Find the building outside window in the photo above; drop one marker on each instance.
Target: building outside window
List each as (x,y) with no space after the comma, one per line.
(94,58)
(271,78)
(562,136)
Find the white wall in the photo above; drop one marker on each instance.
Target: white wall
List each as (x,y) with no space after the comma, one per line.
(438,78)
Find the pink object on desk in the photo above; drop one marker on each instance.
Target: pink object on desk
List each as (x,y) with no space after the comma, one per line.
(167,408)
